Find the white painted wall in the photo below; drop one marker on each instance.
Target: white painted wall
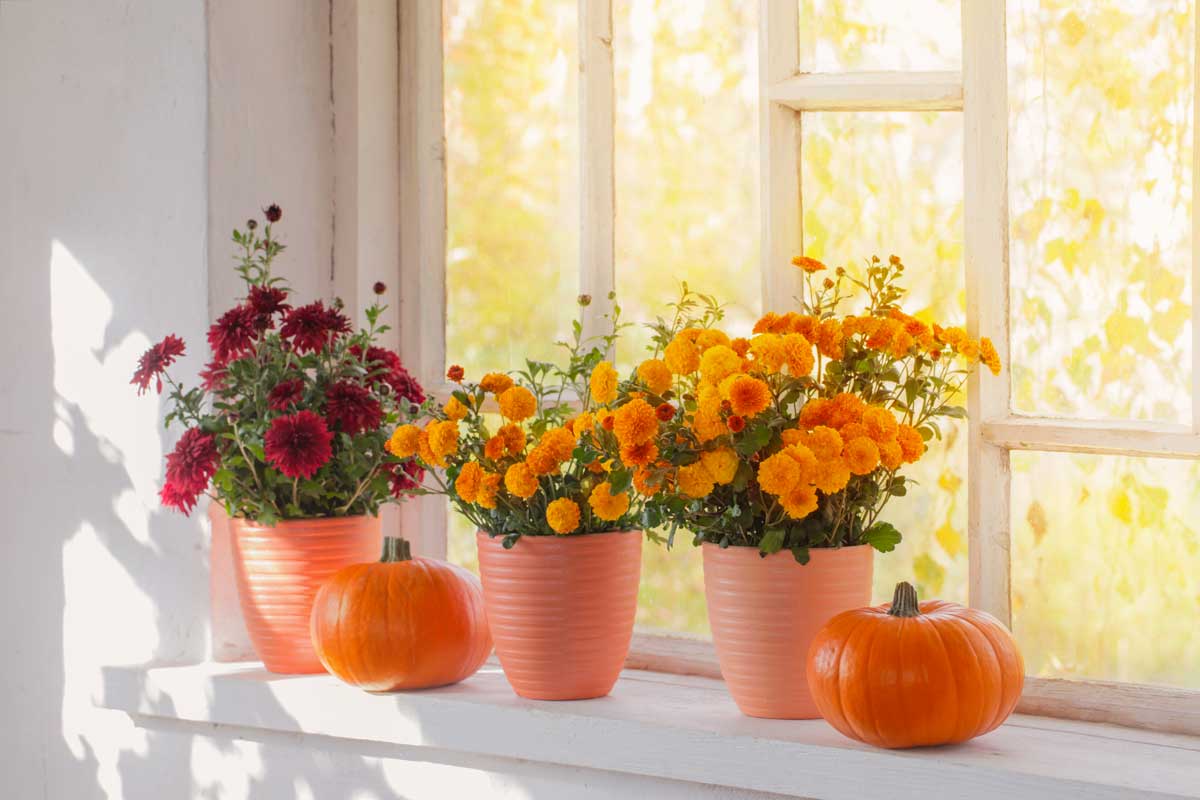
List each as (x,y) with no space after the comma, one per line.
(133,136)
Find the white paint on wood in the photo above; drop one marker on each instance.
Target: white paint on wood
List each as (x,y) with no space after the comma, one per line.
(597,206)
(779,168)
(1155,708)
(1114,437)
(422,299)
(870,91)
(985,166)
(688,730)
(1195,273)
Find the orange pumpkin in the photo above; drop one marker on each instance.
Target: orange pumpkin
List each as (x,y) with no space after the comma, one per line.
(401,623)
(903,675)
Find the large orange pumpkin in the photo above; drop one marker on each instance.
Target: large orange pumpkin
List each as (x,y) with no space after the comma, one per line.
(903,675)
(401,623)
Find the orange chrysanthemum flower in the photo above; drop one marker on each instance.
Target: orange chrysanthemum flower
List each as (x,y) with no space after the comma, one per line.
(768,352)
(403,441)
(861,455)
(514,438)
(606,505)
(655,374)
(563,515)
(520,481)
(831,476)
(989,356)
(815,412)
(748,396)
(455,373)
(718,363)
(496,383)
(467,483)
(778,474)
(845,408)
(454,409)
(707,425)
(911,444)
(881,425)
(443,438)
(722,464)
(542,461)
(665,412)
(695,481)
(603,383)
(517,403)
(825,443)
(489,487)
(711,337)
(891,456)
(809,265)
(798,354)
(740,346)
(682,356)
(494,448)
(635,423)
(800,501)
(639,455)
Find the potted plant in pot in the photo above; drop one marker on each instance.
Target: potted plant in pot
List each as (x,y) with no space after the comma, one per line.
(288,432)
(558,526)
(783,454)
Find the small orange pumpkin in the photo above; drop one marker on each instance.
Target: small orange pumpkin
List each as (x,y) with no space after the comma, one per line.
(903,675)
(401,623)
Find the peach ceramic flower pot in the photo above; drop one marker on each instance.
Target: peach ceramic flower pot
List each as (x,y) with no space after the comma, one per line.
(561,610)
(765,612)
(278,572)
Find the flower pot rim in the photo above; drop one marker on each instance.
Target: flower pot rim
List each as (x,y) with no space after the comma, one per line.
(303,520)
(787,552)
(480,532)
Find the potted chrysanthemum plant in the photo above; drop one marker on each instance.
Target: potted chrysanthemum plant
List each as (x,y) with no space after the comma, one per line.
(783,453)
(559,528)
(288,433)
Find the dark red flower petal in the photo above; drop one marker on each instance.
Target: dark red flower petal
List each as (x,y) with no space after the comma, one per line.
(298,444)
(385,366)
(179,499)
(192,463)
(405,477)
(232,335)
(155,360)
(286,394)
(351,408)
(309,328)
(267,301)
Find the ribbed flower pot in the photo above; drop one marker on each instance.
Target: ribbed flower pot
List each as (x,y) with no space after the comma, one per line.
(765,612)
(279,571)
(561,610)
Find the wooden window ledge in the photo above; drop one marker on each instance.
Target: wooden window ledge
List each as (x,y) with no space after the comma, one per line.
(656,725)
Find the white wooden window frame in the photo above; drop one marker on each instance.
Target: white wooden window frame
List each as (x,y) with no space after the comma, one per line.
(980,93)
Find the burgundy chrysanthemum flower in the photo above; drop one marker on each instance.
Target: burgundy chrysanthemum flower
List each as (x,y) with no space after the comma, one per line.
(192,463)
(298,444)
(285,394)
(232,335)
(273,213)
(310,327)
(385,366)
(351,408)
(267,301)
(181,500)
(154,361)
(212,377)
(405,477)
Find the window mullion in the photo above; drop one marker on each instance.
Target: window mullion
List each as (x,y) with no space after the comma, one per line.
(779,158)
(985,175)
(597,122)
(1195,225)
(422,296)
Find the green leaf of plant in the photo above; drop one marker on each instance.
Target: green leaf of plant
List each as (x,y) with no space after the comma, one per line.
(772,541)
(883,536)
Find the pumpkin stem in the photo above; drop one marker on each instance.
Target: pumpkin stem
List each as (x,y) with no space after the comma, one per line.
(396,548)
(904,601)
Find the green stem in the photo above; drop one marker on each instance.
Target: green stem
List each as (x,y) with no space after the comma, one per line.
(904,602)
(395,548)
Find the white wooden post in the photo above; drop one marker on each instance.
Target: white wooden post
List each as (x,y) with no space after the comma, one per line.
(985,166)
(422,222)
(597,206)
(779,173)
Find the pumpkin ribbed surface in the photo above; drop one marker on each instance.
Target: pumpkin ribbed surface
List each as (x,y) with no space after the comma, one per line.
(561,610)
(279,571)
(764,613)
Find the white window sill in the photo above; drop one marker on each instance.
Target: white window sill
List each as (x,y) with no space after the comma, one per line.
(661,726)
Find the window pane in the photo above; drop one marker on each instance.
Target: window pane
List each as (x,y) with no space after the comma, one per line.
(1106,567)
(891,183)
(687,206)
(512,179)
(838,35)
(1100,165)
(686,158)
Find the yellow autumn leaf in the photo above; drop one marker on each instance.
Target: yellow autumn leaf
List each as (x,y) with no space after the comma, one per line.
(1072,29)
(1121,505)
(950,539)
(1036,517)
(929,574)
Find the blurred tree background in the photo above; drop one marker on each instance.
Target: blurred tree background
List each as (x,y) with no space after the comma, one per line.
(1106,558)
